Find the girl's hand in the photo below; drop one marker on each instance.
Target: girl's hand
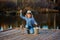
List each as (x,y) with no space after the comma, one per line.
(20,11)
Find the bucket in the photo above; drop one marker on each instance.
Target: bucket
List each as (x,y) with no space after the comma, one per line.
(36,30)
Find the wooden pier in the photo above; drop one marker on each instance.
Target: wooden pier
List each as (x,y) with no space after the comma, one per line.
(15,34)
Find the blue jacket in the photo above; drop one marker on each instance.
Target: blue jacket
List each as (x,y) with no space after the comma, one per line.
(29,21)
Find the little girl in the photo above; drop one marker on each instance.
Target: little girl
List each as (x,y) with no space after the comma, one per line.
(30,21)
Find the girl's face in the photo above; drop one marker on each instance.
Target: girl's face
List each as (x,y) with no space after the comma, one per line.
(29,15)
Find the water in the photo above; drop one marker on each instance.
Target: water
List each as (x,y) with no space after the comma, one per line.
(57,27)
(45,27)
(10,27)
(1,28)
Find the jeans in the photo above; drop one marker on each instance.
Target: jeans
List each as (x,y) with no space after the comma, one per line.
(30,30)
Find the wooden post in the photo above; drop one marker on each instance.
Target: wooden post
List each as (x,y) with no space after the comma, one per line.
(47,10)
(55,21)
(54,1)
(13,25)
(4,27)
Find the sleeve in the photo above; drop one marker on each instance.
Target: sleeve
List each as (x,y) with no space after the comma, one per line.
(34,21)
(23,17)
